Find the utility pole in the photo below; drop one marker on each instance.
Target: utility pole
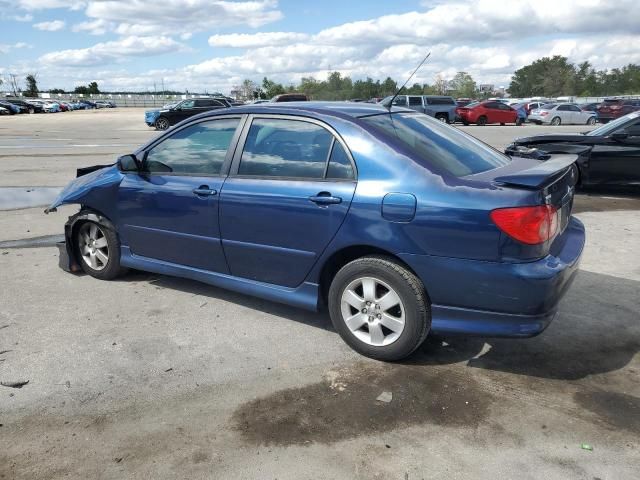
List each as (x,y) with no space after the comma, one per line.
(14,84)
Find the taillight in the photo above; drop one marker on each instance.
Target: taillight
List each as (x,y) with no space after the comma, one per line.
(544,114)
(530,225)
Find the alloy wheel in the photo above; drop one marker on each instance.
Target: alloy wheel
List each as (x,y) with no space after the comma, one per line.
(162,124)
(93,246)
(373,311)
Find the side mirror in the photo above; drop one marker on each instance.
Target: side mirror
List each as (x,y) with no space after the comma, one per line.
(128,163)
(617,136)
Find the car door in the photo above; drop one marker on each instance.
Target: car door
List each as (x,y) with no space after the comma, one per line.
(183,111)
(617,161)
(169,210)
(415,103)
(578,117)
(288,192)
(506,113)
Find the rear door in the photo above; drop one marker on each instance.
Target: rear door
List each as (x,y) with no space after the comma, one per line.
(415,103)
(169,211)
(288,192)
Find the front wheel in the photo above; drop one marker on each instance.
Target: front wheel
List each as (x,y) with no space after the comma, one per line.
(98,250)
(591,121)
(482,121)
(379,308)
(442,117)
(162,123)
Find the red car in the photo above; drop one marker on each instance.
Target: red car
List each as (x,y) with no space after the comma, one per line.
(483,113)
(613,108)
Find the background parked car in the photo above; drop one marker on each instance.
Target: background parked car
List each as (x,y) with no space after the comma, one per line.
(104,104)
(164,118)
(290,97)
(88,105)
(441,107)
(608,155)
(612,108)
(13,109)
(562,113)
(27,106)
(483,113)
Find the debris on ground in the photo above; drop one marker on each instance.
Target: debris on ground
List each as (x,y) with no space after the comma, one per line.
(586,446)
(169,369)
(16,384)
(385,397)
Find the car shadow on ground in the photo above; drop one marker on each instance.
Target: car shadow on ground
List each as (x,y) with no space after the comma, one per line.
(596,331)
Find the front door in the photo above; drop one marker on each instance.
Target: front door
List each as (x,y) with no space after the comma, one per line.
(169,211)
(288,192)
(617,161)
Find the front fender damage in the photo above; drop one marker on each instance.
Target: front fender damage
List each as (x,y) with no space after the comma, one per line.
(87,185)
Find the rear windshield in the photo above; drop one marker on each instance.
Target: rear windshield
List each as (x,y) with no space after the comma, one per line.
(548,106)
(611,100)
(438,145)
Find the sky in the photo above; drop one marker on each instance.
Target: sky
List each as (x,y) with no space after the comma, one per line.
(212,45)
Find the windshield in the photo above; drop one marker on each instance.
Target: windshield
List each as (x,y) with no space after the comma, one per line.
(610,127)
(471,105)
(438,145)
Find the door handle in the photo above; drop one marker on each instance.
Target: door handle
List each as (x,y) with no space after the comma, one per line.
(325,198)
(204,190)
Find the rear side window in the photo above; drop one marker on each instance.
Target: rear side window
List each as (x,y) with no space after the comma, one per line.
(199,149)
(438,146)
(285,148)
(339,163)
(440,101)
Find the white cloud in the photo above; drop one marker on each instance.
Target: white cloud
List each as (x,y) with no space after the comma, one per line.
(52,26)
(113,52)
(95,27)
(4,48)
(253,40)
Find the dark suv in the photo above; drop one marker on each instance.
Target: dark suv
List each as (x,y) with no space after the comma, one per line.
(163,119)
(613,108)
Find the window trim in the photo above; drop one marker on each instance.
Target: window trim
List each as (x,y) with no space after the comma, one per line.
(235,164)
(224,170)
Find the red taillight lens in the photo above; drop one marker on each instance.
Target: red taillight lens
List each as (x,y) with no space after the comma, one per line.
(530,225)
(544,114)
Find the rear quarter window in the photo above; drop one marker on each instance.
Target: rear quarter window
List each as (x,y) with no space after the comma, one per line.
(441,148)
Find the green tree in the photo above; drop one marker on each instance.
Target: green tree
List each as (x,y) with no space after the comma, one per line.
(271,88)
(93,87)
(388,87)
(548,77)
(56,90)
(463,85)
(32,85)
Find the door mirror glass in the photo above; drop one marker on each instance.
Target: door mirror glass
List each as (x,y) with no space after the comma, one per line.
(621,135)
(128,163)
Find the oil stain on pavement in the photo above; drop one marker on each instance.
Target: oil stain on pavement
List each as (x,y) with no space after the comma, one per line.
(617,410)
(344,405)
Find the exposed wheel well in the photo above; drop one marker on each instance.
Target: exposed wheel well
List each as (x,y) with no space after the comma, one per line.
(340,258)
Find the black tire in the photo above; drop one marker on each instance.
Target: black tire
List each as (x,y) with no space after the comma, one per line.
(555,121)
(443,117)
(103,271)
(162,123)
(482,121)
(591,121)
(409,289)
(502,124)
(466,124)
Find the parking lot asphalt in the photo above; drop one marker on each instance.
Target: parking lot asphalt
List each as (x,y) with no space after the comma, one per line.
(157,377)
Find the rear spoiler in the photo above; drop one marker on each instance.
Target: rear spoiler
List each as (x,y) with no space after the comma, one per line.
(543,174)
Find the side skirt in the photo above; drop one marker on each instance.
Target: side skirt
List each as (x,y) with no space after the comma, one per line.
(304,296)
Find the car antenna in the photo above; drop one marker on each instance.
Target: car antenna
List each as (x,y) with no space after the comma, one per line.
(389,104)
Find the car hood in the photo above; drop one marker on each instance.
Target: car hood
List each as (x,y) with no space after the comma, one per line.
(554,138)
(81,186)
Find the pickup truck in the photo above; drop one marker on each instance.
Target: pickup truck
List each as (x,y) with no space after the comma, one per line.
(441,107)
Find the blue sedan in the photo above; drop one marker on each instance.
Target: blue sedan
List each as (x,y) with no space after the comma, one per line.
(401,225)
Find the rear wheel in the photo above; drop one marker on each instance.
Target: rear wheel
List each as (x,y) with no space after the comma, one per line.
(482,121)
(443,117)
(379,308)
(555,121)
(591,121)
(465,123)
(162,123)
(98,250)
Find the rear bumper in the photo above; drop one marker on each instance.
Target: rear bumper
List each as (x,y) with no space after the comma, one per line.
(498,298)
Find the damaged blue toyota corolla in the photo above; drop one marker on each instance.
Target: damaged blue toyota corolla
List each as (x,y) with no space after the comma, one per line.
(400,224)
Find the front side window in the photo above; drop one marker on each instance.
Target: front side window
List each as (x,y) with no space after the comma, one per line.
(439,146)
(187,104)
(285,148)
(415,101)
(199,149)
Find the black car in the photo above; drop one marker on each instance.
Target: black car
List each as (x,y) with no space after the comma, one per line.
(608,155)
(185,109)
(26,107)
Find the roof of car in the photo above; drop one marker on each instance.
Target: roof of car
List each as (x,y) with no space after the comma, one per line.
(352,109)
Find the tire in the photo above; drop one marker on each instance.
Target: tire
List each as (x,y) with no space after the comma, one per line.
(466,124)
(502,124)
(443,117)
(591,121)
(409,316)
(98,250)
(162,123)
(482,121)
(555,121)
(31,111)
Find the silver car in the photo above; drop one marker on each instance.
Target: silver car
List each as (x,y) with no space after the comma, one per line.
(561,114)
